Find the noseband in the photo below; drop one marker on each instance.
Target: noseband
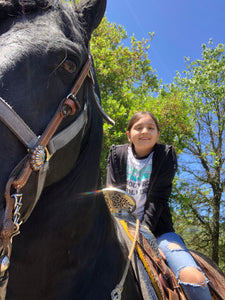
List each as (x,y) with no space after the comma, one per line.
(40,150)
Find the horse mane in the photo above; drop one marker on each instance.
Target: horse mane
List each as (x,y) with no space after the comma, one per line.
(10,9)
(14,8)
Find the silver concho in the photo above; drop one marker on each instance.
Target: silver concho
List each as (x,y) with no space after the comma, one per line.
(38,158)
(4,263)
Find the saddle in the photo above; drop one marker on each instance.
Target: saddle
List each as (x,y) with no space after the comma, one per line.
(162,278)
(213,273)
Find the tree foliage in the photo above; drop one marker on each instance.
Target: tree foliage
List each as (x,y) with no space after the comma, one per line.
(201,191)
(172,111)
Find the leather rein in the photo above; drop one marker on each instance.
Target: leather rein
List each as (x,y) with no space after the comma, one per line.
(40,150)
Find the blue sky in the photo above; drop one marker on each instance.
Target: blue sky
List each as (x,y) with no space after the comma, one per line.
(180,26)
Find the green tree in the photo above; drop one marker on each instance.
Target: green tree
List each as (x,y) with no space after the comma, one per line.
(172,111)
(201,191)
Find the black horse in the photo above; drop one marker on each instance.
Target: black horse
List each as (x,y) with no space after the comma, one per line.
(67,248)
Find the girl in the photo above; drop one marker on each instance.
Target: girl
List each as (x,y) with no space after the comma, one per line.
(145,169)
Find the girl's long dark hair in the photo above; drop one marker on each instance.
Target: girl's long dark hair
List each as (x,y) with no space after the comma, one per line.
(137,116)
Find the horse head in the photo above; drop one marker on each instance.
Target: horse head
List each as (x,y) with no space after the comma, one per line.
(45,71)
(38,69)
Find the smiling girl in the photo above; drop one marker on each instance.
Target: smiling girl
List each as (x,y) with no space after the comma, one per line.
(145,169)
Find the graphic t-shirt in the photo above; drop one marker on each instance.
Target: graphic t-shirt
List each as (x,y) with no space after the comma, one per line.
(138,176)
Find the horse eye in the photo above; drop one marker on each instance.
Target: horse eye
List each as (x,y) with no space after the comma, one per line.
(69,66)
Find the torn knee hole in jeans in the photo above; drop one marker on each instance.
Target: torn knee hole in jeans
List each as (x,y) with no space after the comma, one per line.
(175,246)
(193,276)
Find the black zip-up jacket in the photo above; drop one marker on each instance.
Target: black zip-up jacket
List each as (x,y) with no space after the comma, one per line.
(157,214)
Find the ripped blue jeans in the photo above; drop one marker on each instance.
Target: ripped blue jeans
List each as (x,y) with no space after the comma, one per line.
(179,258)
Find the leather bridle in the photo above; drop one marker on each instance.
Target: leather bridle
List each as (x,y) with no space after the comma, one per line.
(40,150)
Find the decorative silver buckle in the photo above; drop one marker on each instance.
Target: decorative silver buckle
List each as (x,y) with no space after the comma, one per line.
(38,158)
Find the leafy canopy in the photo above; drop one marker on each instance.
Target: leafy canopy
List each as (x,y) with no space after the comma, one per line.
(203,165)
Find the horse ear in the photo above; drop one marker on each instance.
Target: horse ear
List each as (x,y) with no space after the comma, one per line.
(90,14)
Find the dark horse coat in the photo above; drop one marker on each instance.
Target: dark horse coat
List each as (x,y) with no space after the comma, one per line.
(67,248)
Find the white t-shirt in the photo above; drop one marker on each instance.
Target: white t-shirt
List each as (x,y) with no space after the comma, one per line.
(138,176)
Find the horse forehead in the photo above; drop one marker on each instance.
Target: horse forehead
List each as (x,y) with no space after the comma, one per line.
(37,37)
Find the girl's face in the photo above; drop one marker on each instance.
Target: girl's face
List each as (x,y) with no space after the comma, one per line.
(144,135)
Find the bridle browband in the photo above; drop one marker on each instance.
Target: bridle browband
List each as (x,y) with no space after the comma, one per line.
(40,150)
